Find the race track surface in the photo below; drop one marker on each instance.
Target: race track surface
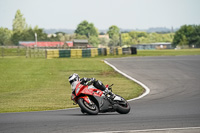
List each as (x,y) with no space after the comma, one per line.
(173,102)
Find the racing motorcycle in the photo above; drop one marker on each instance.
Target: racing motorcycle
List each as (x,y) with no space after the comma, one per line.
(92,100)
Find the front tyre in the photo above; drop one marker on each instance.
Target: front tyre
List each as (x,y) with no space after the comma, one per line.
(87,108)
(123,106)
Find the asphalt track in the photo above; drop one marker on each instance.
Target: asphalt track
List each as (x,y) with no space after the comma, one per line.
(173,102)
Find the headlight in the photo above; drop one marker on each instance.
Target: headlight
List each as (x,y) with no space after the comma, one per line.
(77,90)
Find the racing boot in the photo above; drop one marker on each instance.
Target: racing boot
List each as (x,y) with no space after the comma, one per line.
(109,94)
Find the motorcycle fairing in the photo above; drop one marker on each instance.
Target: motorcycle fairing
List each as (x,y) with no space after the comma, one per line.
(87,91)
(104,104)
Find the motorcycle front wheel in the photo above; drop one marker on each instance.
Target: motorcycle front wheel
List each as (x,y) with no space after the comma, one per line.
(123,106)
(87,108)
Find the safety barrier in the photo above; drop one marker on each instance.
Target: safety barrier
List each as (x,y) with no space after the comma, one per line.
(64,53)
(82,53)
(76,53)
(52,53)
(86,53)
(94,52)
(119,51)
(107,51)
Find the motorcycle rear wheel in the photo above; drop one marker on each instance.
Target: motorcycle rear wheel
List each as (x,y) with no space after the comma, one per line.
(87,108)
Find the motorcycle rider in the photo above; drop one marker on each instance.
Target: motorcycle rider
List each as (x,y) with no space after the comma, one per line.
(74,80)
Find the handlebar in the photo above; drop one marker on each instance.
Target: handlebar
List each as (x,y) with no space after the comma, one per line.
(111,85)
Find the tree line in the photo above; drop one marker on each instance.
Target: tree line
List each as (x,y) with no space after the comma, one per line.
(187,35)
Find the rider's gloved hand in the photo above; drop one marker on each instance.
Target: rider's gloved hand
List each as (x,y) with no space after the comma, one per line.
(92,79)
(89,83)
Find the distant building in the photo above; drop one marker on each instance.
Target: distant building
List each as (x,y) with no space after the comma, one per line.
(69,43)
(80,43)
(41,44)
(159,45)
(104,36)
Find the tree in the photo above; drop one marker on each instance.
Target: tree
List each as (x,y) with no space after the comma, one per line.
(183,42)
(126,39)
(195,39)
(113,30)
(78,36)
(139,37)
(133,34)
(61,37)
(5,36)
(87,29)
(104,41)
(41,36)
(138,34)
(29,35)
(19,23)
(114,41)
(188,34)
(69,37)
(93,31)
(142,34)
(113,33)
(94,41)
(16,37)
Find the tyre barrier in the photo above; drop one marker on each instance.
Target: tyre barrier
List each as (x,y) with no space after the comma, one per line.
(52,53)
(64,53)
(76,53)
(84,53)
(94,52)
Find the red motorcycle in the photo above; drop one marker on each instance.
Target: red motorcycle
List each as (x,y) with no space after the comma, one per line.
(92,100)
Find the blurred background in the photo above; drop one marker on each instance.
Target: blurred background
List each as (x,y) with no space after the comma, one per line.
(150,24)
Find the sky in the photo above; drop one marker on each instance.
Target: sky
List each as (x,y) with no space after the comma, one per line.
(126,14)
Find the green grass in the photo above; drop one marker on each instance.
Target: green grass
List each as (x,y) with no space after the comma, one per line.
(168,52)
(41,84)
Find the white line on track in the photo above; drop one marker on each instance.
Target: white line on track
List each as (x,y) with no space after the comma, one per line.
(164,130)
(147,90)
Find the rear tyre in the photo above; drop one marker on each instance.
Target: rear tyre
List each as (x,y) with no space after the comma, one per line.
(123,106)
(87,108)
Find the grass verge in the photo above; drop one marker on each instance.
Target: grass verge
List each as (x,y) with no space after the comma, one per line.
(168,52)
(41,84)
